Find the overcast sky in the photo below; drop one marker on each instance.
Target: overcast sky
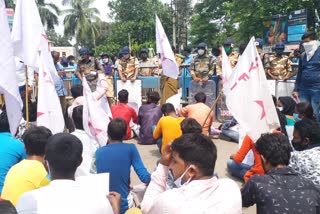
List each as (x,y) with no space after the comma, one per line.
(102,5)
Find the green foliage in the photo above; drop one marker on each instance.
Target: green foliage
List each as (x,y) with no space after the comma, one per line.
(57,39)
(48,13)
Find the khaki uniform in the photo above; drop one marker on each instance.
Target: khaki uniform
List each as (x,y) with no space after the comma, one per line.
(146,71)
(127,67)
(202,66)
(233,58)
(279,67)
(90,71)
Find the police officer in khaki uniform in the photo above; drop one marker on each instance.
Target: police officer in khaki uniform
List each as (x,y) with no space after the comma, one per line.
(108,71)
(233,56)
(88,67)
(128,66)
(278,65)
(146,65)
(201,68)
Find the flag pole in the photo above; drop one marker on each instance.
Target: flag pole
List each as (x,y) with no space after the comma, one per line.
(27,97)
(212,107)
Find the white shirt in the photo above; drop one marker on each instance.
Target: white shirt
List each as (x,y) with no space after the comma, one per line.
(21,74)
(88,153)
(199,196)
(63,197)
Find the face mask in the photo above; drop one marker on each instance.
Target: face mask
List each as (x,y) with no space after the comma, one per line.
(178,181)
(296,117)
(298,146)
(279,51)
(310,48)
(105,61)
(72,62)
(49,172)
(280,108)
(227,50)
(200,52)
(126,56)
(144,57)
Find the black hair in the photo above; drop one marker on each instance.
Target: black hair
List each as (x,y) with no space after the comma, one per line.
(306,109)
(32,111)
(310,35)
(77,117)
(308,129)
(123,96)
(77,91)
(288,105)
(35,140)
(200,97)
(64,154)
(275,148)
(153,96)
(6,207)
(188,49)
(117,129)
(216,51)
(4,122)
(167,108)
(70,57)
(190,125)
(197,149)
(242,48)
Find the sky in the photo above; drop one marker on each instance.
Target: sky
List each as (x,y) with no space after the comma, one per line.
(102,6)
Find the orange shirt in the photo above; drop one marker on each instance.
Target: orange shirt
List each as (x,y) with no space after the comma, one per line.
(169,128)
(246,146)
(199,112)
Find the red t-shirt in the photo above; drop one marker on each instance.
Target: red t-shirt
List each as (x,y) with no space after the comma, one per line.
(127,113)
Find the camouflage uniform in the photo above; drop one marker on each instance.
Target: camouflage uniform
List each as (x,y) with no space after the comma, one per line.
(233,58)
(202,66)
(127,67)
(90,70)
(279,67)
(146,71)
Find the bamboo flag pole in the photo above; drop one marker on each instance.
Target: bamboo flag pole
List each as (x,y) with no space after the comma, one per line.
(212,107)
(27,97)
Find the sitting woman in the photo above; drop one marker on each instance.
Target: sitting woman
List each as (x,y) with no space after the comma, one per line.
(303,110)
(287,107)
(117,158)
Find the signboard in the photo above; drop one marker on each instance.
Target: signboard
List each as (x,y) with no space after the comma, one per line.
(275,30)
(10,14)
(297,25)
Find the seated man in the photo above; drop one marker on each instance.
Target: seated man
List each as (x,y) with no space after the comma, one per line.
(199,112)
(125,112)
(63,195)
(28,174)
(89,145)
(117,158)
(6,207)
(11,149)
(148,116)
(190,125)
(306,141)
(168,126)
(281,190)
(191,158)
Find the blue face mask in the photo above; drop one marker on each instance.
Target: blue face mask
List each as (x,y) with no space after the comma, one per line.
(296,117)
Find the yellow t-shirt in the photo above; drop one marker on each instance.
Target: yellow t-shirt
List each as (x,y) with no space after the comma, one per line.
(169,128)
(22,177)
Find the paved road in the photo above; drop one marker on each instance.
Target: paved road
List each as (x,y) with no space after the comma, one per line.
(150,154)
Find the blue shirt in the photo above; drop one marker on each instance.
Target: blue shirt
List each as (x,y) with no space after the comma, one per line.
(11,152)
(188,59)
(117,160)
(58,82)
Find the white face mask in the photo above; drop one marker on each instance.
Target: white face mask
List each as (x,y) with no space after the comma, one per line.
(310,48)
(105,61)
(280,108)
(178,181)
(200,52)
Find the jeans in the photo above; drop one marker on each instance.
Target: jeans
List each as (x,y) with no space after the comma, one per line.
(237,169)
(311,96)
(159,140)
(234,135)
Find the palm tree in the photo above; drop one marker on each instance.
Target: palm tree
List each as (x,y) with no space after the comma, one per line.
(49,14)
(81,21)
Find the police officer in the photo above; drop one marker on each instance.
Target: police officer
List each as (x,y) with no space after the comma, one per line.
(128,66)
(233,56)
(201,68)
(88,67)
(278,65)
(144,63)
(108,71)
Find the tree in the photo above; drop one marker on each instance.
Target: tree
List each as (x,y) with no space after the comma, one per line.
(82,22)
(48,13)
(57,39)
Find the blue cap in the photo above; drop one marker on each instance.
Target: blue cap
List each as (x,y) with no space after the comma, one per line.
(125,50)
(228,42)
(103,54)
(144,50)
(259,42)
(279,45)
(202,45)
(84,51)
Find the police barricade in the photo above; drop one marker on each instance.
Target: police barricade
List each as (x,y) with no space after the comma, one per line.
(184,81)
(209,88)
(280,88)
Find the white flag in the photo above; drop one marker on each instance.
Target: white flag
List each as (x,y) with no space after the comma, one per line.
(27,30)
(226,67)
(8,82)
(95,119)
(102,88)
(169,64)
(248,97)
(49,112)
